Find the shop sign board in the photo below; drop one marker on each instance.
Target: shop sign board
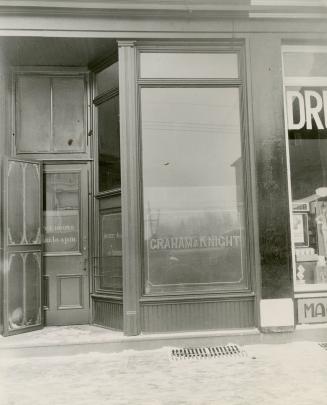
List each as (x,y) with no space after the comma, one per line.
(312,310)
(307,108)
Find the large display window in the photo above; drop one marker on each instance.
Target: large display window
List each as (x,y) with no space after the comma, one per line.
(193,169)
(305,92)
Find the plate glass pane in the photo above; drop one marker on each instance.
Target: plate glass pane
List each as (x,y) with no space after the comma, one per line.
(32,204)
(305,64)
(192,189)
(307,146)
(107,79)
(33,289)
(16,203)
(33,114)
(109,145)
(62,212)
(68,114)
(110,263)
(188,65)
(16,318)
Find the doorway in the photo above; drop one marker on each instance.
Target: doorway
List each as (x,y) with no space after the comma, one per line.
(50,281)
(66,247)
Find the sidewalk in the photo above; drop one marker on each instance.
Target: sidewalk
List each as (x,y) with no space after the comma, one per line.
(284,374)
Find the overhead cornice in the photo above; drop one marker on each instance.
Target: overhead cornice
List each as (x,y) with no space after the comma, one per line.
(135,8)
(272,9)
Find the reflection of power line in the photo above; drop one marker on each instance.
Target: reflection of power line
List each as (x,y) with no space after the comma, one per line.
(190,127)
(214,106)
(190,123)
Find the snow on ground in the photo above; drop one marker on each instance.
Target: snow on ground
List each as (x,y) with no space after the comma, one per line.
(63,335)
(293,373)
(83,334)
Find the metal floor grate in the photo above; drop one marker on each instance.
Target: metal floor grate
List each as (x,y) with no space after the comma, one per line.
(323,345)
(230,350)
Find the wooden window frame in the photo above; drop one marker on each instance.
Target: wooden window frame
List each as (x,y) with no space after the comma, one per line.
(131,164)
(238,83)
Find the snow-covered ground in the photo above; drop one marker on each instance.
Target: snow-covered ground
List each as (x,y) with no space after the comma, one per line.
(283,374)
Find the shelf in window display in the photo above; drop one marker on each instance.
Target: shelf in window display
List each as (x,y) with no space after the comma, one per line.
(310,287)
(305,254)
(308,258)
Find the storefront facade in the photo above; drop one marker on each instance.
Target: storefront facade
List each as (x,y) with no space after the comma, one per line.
(163,169)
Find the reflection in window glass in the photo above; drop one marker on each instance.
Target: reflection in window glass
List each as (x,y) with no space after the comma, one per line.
(107,79)
(305,64)
(15,289)
(68,114)
(33,114)
(188,65)
(307,141)
(24,299)
(109,144)
(192,189)
(33,296)
(110,264)
(61,212)
(16,200)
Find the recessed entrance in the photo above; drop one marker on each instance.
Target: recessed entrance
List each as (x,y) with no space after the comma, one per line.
(51,278)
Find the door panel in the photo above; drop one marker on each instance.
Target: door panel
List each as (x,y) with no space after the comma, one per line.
(22,246)
(66,243)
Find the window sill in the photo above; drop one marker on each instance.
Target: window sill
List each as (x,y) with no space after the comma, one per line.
(310,288)
(197,297)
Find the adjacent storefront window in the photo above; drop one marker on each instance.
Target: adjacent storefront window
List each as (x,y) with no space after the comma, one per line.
(193,167)
(305,79)
(108,260)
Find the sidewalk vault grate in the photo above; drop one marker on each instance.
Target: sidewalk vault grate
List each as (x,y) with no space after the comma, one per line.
(230,350)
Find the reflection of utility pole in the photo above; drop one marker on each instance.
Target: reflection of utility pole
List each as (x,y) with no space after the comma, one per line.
(153,222)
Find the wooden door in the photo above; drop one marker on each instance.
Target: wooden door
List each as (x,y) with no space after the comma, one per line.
(22,246)
(66,247)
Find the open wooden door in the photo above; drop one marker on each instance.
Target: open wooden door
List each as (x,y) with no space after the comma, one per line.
(22,245)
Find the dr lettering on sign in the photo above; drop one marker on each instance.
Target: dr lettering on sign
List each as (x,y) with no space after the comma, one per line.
(305,107)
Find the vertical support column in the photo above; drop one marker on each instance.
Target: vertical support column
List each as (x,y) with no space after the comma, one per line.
(276,305)
(130,183)
(5,139)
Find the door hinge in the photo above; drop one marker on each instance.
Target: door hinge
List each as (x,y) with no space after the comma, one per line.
(90,133)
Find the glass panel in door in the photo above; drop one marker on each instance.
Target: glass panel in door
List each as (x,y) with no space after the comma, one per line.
(22,246)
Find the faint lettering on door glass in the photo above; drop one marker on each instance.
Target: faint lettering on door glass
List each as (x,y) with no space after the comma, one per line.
(61,231)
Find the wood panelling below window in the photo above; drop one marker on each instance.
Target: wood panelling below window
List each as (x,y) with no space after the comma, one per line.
(108,314)
(173,317)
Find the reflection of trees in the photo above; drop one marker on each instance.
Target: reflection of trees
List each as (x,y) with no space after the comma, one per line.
(206,223)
